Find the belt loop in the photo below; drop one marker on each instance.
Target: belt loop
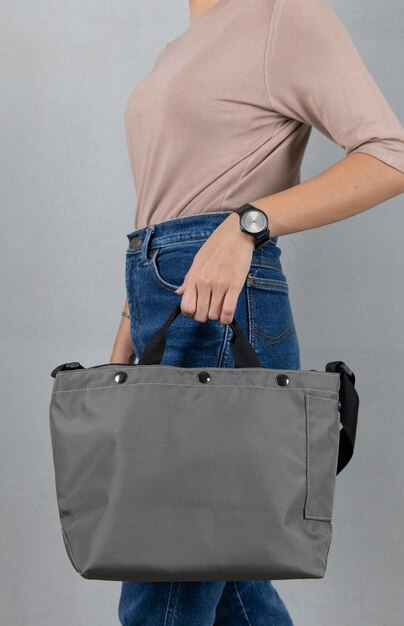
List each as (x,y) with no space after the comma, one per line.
(145,247)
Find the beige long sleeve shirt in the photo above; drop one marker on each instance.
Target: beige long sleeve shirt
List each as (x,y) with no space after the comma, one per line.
(225,114)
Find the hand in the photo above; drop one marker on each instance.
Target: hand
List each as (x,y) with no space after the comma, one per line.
(212,285)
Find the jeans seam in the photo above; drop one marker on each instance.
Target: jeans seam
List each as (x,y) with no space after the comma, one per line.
(267,283)
(136,321)
(185,240)
(170,611)
(180,241)
(265,263)
(241,603)
(160,281)
(223,348)
(251,338)
(176,242)
(273,339)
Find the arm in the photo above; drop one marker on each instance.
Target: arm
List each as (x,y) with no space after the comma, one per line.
(321,81)
(354,184)
(122,351)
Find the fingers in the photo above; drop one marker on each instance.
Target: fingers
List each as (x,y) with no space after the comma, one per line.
(203,300)
(195,300)
(229,304)
(216,302)
(203,297)
(189,297)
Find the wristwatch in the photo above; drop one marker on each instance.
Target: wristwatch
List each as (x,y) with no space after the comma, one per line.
(254,222)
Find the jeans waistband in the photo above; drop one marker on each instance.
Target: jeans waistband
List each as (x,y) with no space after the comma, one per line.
(198,226)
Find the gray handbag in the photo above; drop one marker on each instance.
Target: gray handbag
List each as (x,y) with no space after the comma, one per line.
(168,473)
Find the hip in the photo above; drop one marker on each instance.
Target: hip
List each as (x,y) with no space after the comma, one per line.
(158,257)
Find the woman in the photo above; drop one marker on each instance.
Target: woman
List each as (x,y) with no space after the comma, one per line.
(222,120)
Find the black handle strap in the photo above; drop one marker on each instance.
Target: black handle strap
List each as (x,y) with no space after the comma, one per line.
(243,353)
(349,407)
(245,356)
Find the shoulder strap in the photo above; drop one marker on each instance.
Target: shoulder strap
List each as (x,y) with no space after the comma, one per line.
(349,406)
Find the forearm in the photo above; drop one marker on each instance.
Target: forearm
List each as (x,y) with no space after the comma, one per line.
(212,285)
(350,186)
(123,351)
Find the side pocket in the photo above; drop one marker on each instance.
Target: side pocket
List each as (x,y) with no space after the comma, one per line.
(322,437)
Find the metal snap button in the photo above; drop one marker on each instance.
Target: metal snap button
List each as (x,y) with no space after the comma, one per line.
(134,242)
(282,380)
(203,377)
(120,377)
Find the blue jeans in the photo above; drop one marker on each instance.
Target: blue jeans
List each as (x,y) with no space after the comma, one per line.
(157,258)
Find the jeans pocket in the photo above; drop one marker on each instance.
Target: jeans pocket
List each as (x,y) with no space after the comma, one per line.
(272,330)
(169,264)
(271,317)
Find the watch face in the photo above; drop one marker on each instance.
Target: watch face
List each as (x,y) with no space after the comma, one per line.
(254,221)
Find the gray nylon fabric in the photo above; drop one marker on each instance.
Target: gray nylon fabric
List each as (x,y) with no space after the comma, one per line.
(165,478)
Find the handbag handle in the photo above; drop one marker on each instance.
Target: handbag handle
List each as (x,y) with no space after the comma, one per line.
(245,356)
(243,353)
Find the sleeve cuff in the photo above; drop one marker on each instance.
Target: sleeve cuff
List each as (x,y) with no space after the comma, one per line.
(383,154)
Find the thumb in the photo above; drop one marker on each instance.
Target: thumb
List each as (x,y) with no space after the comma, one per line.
(180,289)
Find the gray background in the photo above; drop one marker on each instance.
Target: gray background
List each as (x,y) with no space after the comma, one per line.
(67,202)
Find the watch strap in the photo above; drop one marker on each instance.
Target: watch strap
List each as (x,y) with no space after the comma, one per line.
(243,207)
(261,239)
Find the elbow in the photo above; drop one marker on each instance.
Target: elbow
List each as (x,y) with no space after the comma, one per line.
(393,180)
(390,163)
(387,148)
